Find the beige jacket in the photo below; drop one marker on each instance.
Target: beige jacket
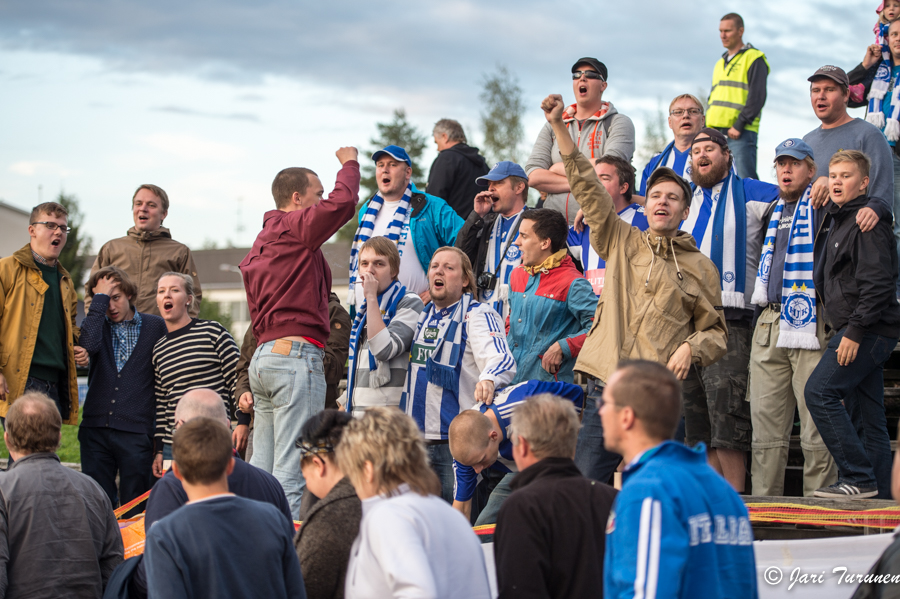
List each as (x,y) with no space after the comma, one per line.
(22,291)
(646,309)
(146,256)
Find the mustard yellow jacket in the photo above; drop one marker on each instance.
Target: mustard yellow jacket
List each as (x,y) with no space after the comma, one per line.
(646,310)
(22,291)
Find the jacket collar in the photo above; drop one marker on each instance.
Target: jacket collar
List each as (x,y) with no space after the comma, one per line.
(546,468)
(146,236)
(342,490)
(552,261)
(850,207)
(683,241)
(34,457)
(24,257)
(675,451)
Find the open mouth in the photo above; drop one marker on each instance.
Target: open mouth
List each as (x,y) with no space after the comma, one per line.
(55,243)
(701,162)
(582,88)
(168,305)
(821,106)
(661,212)
(438,284)
(786,181)
(385,181)
(686,125)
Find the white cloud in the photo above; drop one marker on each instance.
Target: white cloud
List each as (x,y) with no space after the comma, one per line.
(189,147)
(30,168)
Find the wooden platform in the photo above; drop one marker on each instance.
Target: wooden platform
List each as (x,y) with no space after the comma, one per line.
(774,531)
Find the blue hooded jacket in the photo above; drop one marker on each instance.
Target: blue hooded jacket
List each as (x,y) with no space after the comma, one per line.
(678,529)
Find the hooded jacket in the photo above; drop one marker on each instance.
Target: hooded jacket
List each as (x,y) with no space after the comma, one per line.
(452,176)
(22,290)
(606,132)
(856,273)
(678,529)
(146,256)
(658,293)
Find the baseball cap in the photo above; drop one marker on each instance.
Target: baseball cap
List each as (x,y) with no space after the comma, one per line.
(668,174)
(599,66)
(832,72)
(795,148)
(713,135)
(501,171)
(394,152)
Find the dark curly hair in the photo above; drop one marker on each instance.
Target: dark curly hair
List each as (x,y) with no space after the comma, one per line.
(325,427)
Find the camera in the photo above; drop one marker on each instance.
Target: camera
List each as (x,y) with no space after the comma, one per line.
(486,281)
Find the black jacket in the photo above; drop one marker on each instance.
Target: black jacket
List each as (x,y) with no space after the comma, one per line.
(856,273)
(551,533)
(452,177)
(887,565)
(474,237)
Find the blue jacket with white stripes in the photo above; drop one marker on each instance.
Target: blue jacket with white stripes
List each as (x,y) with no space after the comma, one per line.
(678,530)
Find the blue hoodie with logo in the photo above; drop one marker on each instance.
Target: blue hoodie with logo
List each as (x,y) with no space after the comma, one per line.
(678,529)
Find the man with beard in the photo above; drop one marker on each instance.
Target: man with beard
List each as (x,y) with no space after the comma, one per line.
(685,121)
(728,215)
(789,338)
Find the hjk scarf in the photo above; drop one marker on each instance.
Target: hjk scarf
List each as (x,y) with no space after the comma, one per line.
(365,231)
(440,369)
(379,372)
(880,87)
(797,326)
(720,230)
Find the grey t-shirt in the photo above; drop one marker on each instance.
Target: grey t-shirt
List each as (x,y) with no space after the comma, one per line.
(782,237)
(862,136)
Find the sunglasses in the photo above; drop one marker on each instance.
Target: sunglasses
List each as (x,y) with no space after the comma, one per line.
(588,74)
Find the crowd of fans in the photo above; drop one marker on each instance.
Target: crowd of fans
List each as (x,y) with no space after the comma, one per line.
(701,308)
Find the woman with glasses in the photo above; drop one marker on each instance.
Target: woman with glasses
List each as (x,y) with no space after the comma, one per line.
(194,354)
(411,542)
(332,523)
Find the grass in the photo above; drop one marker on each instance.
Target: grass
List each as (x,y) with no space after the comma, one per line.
(69,449)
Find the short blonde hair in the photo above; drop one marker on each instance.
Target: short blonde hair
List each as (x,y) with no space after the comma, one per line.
(549,424)
(382,246)
(468,271)
(855,156)
(691,97)
(389,440)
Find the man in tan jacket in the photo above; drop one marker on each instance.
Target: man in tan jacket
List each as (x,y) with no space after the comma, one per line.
(148,251)
(661,301)
(37,317)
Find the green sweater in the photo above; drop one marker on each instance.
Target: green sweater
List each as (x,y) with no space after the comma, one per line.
(49,360)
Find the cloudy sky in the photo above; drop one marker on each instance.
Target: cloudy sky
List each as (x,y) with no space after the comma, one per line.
(210,99)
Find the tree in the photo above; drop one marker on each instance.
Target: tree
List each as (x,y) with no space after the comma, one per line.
(78,245)
(656,133)
(213,311)
(501,115)
(398,132)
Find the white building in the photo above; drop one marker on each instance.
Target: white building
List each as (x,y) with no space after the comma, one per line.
(13,228)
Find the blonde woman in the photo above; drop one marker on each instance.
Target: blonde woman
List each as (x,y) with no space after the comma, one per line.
(194,354)
(410,540)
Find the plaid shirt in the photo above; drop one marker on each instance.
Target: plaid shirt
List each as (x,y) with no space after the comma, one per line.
(41,259)
(124,337)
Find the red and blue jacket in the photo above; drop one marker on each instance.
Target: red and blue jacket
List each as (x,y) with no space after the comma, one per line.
(545,308)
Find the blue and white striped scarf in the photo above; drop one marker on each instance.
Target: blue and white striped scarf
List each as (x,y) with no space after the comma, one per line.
(365,231)
(379,372)
(797,327)
(720,230)
(440,369)
(880,86)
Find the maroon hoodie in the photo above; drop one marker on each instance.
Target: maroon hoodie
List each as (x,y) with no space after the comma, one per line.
(286,275)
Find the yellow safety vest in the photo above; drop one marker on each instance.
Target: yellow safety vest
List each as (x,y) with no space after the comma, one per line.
(730,87)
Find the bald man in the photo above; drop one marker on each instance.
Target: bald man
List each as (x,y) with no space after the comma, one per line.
(244,481)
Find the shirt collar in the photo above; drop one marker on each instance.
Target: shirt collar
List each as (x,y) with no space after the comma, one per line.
(133,322)
(40,259)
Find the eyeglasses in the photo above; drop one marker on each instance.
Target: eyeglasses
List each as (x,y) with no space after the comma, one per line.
(53,226)
(690,111)
(588,74)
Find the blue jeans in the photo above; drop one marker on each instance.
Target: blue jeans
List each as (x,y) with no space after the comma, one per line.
(441,461)
(288,389)
(106,452)
(489,513)
(744,151)
(592,459)
(856,432)
(897,207)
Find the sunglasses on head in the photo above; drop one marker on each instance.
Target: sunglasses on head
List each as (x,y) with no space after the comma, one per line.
(587,74)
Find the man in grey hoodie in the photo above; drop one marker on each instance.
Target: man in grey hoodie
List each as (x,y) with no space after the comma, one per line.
(596,128)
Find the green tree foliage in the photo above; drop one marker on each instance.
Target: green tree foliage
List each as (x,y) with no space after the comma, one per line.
(213,311)
(501,115)
(398,132)
(656,135)
(78,245)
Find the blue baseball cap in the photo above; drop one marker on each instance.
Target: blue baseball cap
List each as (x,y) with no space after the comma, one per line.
(501,171)
(795,148)
(394,152)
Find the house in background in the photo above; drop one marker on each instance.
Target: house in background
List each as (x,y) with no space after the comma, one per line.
(222,284)
(14,228)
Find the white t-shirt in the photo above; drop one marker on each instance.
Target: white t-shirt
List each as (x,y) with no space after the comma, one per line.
(411,273)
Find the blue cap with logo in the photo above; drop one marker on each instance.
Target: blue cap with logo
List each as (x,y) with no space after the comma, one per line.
(501,171)
(795,148)
(394,152)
